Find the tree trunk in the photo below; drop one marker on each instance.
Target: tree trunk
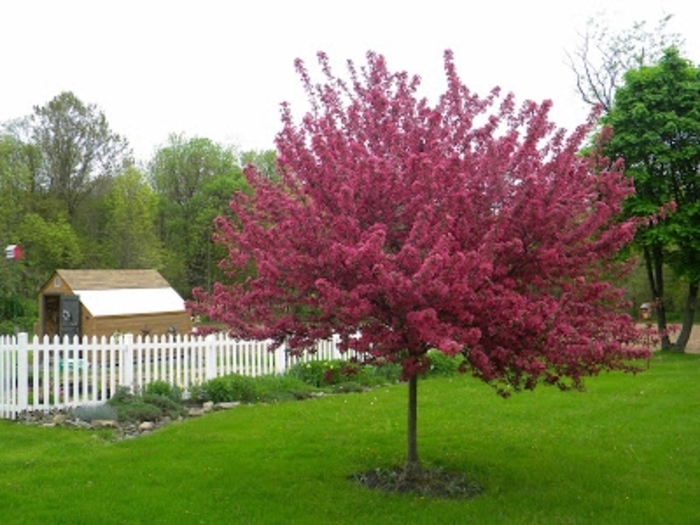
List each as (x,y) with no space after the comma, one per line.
(412,468)
(688,318)
(654,261)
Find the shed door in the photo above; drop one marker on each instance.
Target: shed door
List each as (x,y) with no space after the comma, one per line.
(69,319)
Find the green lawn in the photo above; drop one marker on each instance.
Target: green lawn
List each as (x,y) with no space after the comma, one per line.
(626,451)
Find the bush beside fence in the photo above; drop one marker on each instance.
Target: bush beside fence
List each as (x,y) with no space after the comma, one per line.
(42,374)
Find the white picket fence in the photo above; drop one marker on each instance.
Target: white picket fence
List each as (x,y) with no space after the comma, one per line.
(45,374)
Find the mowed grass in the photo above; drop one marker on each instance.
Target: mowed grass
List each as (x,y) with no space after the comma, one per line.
(625,451)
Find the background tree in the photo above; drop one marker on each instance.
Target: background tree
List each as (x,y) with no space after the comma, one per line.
(131,208)
(656,129)
(15,183)
(47,245)
(15,186)
(264,161)
(194,179)
(471,226)
(603,56)
(77,145)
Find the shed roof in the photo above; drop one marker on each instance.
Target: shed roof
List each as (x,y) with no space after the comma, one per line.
(130,301)
(112,279)
(122,292)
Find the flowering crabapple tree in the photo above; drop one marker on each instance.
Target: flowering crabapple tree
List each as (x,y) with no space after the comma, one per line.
(472,226)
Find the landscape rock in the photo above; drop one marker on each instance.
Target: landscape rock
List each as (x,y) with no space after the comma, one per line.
(104,423)
(226,405)
(125,430)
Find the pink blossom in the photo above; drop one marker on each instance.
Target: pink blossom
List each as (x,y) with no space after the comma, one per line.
(473,226)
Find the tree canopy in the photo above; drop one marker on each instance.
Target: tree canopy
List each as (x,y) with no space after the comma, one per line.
(194,179)
(77,146)
(471,226)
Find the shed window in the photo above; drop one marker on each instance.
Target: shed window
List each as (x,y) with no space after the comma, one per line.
(57,282)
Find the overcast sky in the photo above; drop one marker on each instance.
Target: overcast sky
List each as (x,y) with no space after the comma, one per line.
(220,69)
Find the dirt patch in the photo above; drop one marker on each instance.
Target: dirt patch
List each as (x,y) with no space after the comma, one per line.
(427,482)
(694,341)
(693,346)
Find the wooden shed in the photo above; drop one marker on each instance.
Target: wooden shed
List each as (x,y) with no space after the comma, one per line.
(104,302)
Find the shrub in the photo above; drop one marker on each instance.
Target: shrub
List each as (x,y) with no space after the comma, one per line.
(196,394)
(167,406)
(246,389)
(138,411)
(165,389)
(443,365)
(149,407)
(311,372)
(281,388)
(374,375)
(121,396)
(90,413)
(327,373)
(233,387)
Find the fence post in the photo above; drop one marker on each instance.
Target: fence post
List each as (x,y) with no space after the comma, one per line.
(22,371)
(210,354)
(335,343)
(126,362)
(281,359)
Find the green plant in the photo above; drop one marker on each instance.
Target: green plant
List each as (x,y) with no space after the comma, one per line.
(165,389)
(443,365)
(167,406)
(196,394)
(90,413)
(246,389)
(147,407)
(138,411)
(310,372)
(233,387)
(121,396)
(380,374)
(328,372)
(270,388)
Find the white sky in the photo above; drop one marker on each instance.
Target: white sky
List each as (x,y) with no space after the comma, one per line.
(220,69)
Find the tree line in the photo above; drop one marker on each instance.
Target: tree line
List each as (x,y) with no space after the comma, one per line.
(73,196)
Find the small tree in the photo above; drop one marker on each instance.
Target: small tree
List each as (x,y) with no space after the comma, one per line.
(471,226)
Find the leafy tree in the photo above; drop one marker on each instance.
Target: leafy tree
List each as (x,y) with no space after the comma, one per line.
(603,56)
(77,145)
(47,245)
(131,209)
(194,179)
(471,226)
(36,222)
(14,184)
(264,161)
(656,125)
